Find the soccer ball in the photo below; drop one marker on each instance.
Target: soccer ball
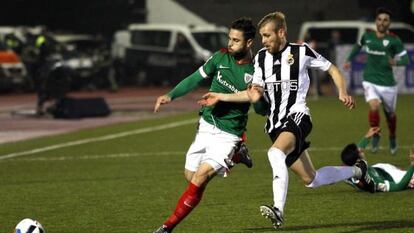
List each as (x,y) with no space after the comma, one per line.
(28,225)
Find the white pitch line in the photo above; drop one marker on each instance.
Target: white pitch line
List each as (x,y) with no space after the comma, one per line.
(98,139)
(159,153)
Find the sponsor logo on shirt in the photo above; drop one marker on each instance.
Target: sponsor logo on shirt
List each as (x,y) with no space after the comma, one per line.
(277,62)
(375,52)
(225,83)
(289,85)
(385,42)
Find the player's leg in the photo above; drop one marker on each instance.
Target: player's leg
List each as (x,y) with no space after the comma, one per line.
(188,174)
(374,121)
(283,145)
(190,198)
(205,158)
(389,100)
(241,154)
(373,99)
(192,165)
(303,167)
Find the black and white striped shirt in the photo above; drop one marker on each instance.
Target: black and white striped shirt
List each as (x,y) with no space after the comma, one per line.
(284,77)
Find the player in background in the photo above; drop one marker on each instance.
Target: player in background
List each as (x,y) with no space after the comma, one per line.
(384,50)
(388,178)
(220,127)
(281,77)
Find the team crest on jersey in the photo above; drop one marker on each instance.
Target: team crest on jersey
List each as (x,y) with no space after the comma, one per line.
(385,42)
(290,59)
(248,78)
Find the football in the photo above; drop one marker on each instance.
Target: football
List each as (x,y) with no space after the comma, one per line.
(28,225)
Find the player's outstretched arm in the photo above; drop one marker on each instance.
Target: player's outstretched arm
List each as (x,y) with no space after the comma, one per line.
(372,131)
(340,84)
(164,99)
(212,98)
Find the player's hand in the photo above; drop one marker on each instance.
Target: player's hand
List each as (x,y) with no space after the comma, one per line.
(209,99)
(392,62)
(347,100)
(254,93)
(372,131)
(164,99)
(347,65)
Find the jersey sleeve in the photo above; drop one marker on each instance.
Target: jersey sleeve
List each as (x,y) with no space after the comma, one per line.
(186,85)
(400,53)
(356,48)
(315,60)
(361,42)
(258,72)
(209,68)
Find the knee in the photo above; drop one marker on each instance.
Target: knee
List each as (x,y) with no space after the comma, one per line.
(374,105)
(200,178)
(277,155)
(188,175)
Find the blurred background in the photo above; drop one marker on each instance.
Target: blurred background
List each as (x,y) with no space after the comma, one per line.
(55,47)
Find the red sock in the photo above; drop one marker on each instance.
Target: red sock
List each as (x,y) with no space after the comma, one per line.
(392,124)
(187,202)
(373,118)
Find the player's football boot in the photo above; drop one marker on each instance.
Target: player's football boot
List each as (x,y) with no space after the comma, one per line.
(375,143)
(367,183)
(272,213)
(162,229)
(393,146)
(242,156)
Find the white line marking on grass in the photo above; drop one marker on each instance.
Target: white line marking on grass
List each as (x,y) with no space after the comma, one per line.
(103,156)
(98,139)
(160,153)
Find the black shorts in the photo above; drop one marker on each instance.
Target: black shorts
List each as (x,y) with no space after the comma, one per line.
(300,125)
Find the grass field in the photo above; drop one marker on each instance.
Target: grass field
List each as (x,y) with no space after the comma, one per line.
(130,181)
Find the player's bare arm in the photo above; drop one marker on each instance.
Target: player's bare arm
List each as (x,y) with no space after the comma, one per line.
(372,131)
(212,98)
(164,99)
(340,84)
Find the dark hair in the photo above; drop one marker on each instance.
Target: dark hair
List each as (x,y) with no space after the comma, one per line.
(350,154)
(246,26)
(383,10)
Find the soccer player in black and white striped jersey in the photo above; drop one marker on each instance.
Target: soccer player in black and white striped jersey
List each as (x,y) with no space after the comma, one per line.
(281,78)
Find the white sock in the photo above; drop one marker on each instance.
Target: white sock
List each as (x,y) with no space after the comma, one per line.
(280,176)
(330,175)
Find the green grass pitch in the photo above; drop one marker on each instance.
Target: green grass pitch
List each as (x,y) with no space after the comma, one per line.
(131,183)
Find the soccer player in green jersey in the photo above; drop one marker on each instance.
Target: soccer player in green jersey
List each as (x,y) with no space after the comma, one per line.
(220,127)
(388,178)
(384,50)
(281,79)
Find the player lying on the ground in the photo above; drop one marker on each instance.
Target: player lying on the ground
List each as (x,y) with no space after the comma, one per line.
(388,178)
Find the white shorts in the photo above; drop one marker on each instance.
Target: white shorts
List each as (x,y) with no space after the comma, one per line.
(396,173)
(211,145)
(386,95)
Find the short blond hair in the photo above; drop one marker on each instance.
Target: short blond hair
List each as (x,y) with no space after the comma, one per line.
(278,18)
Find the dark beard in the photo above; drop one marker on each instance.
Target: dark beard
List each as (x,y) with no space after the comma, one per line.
(239,55)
